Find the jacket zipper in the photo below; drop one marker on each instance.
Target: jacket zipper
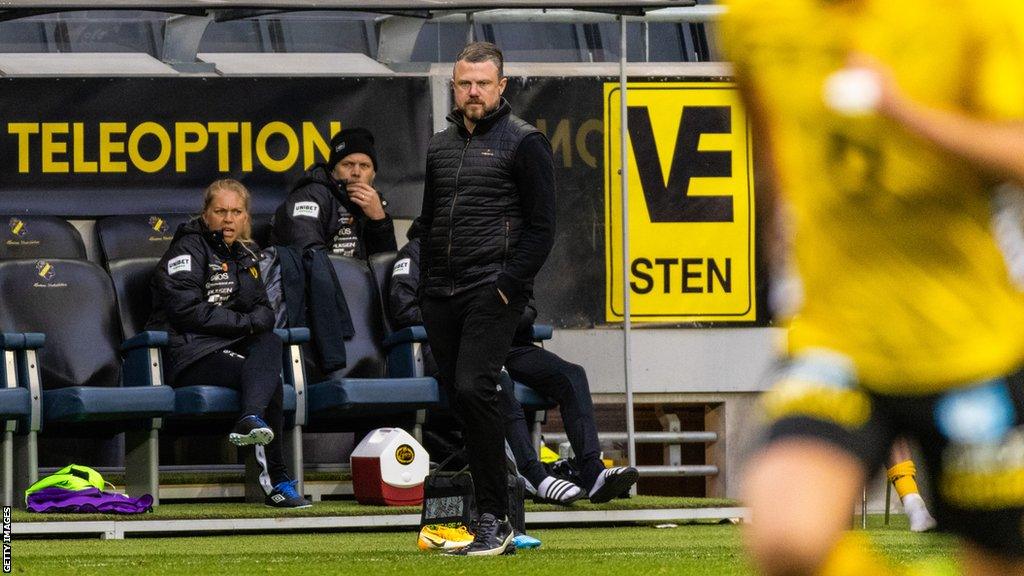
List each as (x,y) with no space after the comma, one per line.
(451,212)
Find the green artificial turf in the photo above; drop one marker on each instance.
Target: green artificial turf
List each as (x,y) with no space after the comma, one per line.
(178,478)
(351,508)
(700,549)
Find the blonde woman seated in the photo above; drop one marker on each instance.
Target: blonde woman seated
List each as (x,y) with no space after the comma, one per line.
(209,296)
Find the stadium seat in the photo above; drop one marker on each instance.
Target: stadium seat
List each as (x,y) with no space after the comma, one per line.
(218,407)
(363,395)
(62,316)
(41,237)
(142,236)
(27,237)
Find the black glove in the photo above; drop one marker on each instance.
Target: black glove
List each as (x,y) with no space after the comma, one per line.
(261,320)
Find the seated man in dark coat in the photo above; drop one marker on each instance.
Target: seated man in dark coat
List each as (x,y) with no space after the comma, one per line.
(334,206)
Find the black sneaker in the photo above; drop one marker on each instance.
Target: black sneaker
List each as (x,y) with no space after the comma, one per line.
(285,495)
(250,430)
(612,482)
(491,537)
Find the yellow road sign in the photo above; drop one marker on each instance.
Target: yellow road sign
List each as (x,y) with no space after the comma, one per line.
(691,204)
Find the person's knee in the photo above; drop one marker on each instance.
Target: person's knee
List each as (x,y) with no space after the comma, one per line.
(469,391)
(477,396)
(778,552)
(800,492)
(784,546)
(573,389)
(577,377)
(268,342)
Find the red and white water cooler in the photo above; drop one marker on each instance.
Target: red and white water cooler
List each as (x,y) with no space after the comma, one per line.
(388,467)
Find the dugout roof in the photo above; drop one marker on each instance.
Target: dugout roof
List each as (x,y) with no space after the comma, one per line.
(422,7)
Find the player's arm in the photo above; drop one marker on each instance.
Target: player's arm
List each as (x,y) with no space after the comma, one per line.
(989,131)
(998,147)
(534,175)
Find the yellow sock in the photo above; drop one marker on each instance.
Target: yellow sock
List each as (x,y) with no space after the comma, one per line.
(854,556)
(902,477)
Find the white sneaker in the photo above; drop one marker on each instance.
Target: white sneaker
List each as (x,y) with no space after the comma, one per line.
(917,513)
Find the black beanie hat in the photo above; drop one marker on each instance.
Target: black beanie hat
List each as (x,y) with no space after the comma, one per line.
(352,141)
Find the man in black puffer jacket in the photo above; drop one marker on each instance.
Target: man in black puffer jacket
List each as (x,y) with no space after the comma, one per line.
(489,219)
(334,206)
(208,296)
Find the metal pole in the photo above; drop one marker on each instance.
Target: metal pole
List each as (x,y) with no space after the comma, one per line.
(647,41)
(627,326)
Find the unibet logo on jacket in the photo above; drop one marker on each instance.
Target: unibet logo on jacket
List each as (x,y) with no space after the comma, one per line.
(181,263)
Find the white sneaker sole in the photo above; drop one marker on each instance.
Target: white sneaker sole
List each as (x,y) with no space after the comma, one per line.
(508,547)
(288,507)
(261,436)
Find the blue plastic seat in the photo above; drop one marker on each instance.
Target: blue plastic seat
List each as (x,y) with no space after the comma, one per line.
(14,403)
(27,237)
(83,404)
(370,397)
(218,401)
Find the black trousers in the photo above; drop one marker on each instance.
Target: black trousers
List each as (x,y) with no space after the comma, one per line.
(470,335)
(565,383)
(253,367)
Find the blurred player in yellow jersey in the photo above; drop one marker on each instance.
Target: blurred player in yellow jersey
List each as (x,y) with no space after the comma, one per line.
(890,129)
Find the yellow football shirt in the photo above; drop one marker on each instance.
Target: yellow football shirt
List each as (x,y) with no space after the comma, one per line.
(893,239)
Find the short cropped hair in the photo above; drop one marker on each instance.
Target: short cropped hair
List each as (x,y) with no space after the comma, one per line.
(476,52)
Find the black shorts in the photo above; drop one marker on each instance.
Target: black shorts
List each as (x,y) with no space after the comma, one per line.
(971,438)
